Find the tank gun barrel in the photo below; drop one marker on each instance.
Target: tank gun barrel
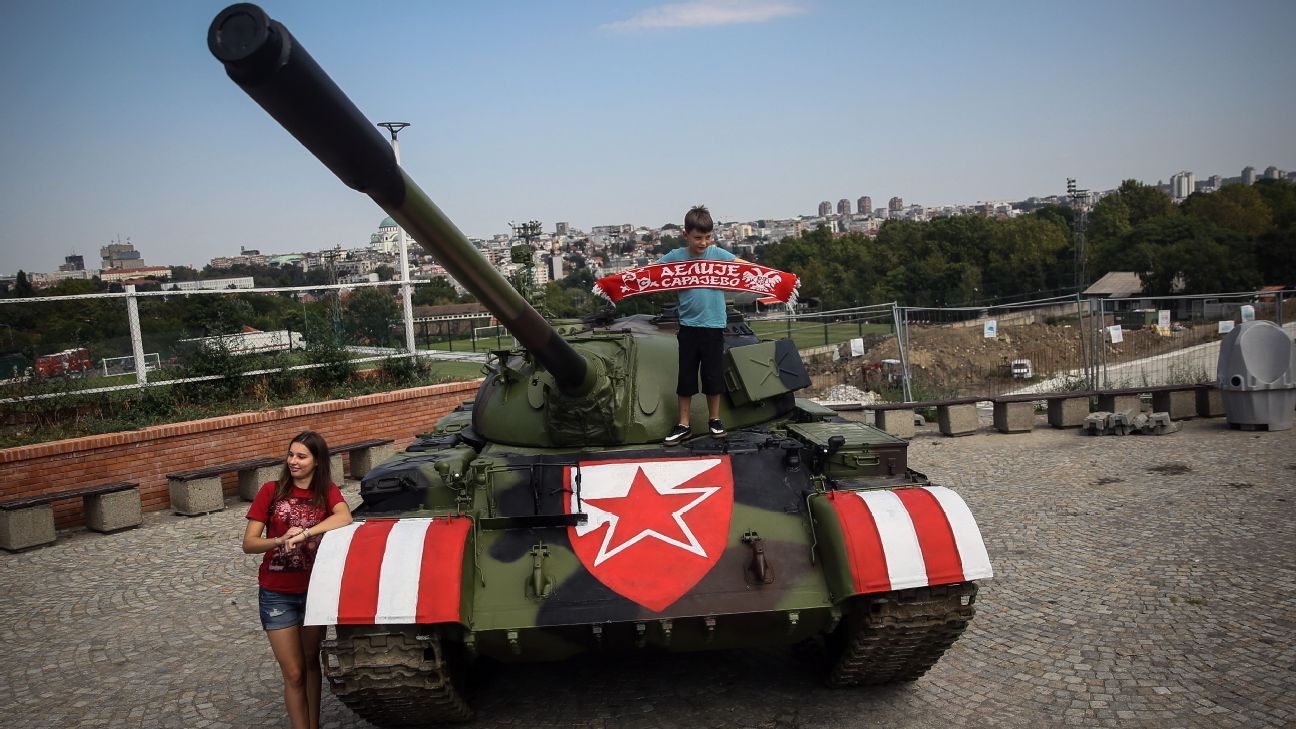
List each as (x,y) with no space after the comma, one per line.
(263,58)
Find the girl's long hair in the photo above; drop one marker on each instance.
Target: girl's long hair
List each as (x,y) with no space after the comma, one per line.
(320,480)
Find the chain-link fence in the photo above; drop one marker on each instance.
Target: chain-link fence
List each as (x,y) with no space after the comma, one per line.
(100,342)
(1055,344)
(1174,340)
(848,352)
(56,345)
(1075,343)
(992,350)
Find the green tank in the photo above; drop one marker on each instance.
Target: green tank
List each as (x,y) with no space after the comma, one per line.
(546,519)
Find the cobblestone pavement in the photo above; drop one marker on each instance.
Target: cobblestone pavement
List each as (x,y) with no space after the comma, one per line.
(1140,581)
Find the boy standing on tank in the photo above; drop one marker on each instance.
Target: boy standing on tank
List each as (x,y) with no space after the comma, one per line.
(702,321)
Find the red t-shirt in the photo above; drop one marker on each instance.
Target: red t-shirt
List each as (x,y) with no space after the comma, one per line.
(283,571)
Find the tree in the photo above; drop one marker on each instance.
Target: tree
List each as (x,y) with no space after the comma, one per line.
(370,313)
(22,287)
(183,273)
(1280,196)
(437,291)
(1238,208)
(385,272)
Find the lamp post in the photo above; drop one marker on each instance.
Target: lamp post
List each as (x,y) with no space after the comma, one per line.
(406,300)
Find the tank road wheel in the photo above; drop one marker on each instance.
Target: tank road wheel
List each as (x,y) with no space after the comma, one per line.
(897,636)
(398,675)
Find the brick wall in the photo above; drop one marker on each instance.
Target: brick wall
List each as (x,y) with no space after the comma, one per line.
(147,455)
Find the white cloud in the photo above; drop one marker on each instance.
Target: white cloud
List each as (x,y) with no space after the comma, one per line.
(706,12)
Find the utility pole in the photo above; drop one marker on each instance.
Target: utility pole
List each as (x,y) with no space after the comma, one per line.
(1079,207)
(528,231)
(407,305)
(330,257)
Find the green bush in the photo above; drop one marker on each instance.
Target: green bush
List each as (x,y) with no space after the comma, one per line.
(334,370)
(402,370)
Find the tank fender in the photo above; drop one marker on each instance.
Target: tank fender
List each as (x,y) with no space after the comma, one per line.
(399,571)
(892,539)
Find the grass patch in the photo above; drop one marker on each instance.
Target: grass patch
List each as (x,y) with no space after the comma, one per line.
(811,334)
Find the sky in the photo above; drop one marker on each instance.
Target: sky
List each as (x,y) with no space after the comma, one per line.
(116,121)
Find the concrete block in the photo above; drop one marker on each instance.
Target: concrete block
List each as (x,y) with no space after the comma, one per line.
(110,512)
(364,459)
(1119,403)
(23,528)
(1068,413)
(1014,417)
(1119,423)
(1181,404)
(1097,423)
(335,469)
(957,419)
(1210,404)
(197,496)
(899,423)
(251,480)
(1161,424)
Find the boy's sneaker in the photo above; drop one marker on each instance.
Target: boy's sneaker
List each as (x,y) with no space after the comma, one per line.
(717,427)
(677,434)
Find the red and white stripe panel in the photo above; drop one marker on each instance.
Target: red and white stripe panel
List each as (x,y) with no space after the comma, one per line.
(388,571)
(911,537)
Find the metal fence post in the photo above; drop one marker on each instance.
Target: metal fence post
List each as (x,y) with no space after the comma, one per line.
(137,340)
(1080,329)
(1102,337)
(900,319)
(825,323)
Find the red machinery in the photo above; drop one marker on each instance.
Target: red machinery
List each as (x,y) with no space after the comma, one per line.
(61,364)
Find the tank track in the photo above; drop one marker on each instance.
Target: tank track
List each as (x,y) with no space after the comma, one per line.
(397,675)
(897,636)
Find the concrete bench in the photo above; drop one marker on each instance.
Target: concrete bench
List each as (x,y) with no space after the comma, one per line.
(28,521)
(955,416)
(364,455)
(254,474)
(199,491)
(1180,401)
(1016,413)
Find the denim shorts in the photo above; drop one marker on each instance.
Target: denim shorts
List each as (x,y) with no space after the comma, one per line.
(281,610)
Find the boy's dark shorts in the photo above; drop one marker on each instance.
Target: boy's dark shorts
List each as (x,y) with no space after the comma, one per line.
(704,347)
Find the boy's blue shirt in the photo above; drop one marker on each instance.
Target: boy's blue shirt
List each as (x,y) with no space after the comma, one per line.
(701,307)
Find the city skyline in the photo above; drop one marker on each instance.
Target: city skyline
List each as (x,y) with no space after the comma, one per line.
(122,124)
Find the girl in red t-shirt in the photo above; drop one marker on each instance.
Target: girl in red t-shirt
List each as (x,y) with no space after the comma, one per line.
(285,522)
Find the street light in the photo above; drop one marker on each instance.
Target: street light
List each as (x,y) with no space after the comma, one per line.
(394,128)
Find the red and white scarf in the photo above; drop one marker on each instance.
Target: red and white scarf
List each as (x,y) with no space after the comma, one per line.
(702,273)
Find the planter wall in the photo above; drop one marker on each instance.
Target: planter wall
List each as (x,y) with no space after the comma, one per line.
(147,455)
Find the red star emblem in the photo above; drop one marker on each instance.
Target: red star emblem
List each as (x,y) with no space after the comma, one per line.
(654,527)
(647,512)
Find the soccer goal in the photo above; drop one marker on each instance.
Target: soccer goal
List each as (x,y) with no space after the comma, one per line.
(496,331)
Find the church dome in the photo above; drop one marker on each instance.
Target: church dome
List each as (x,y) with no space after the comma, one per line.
(387,222)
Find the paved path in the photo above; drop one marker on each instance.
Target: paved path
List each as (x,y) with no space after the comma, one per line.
(1140,581)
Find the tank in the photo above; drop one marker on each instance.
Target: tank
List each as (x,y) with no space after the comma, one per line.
(545,518)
